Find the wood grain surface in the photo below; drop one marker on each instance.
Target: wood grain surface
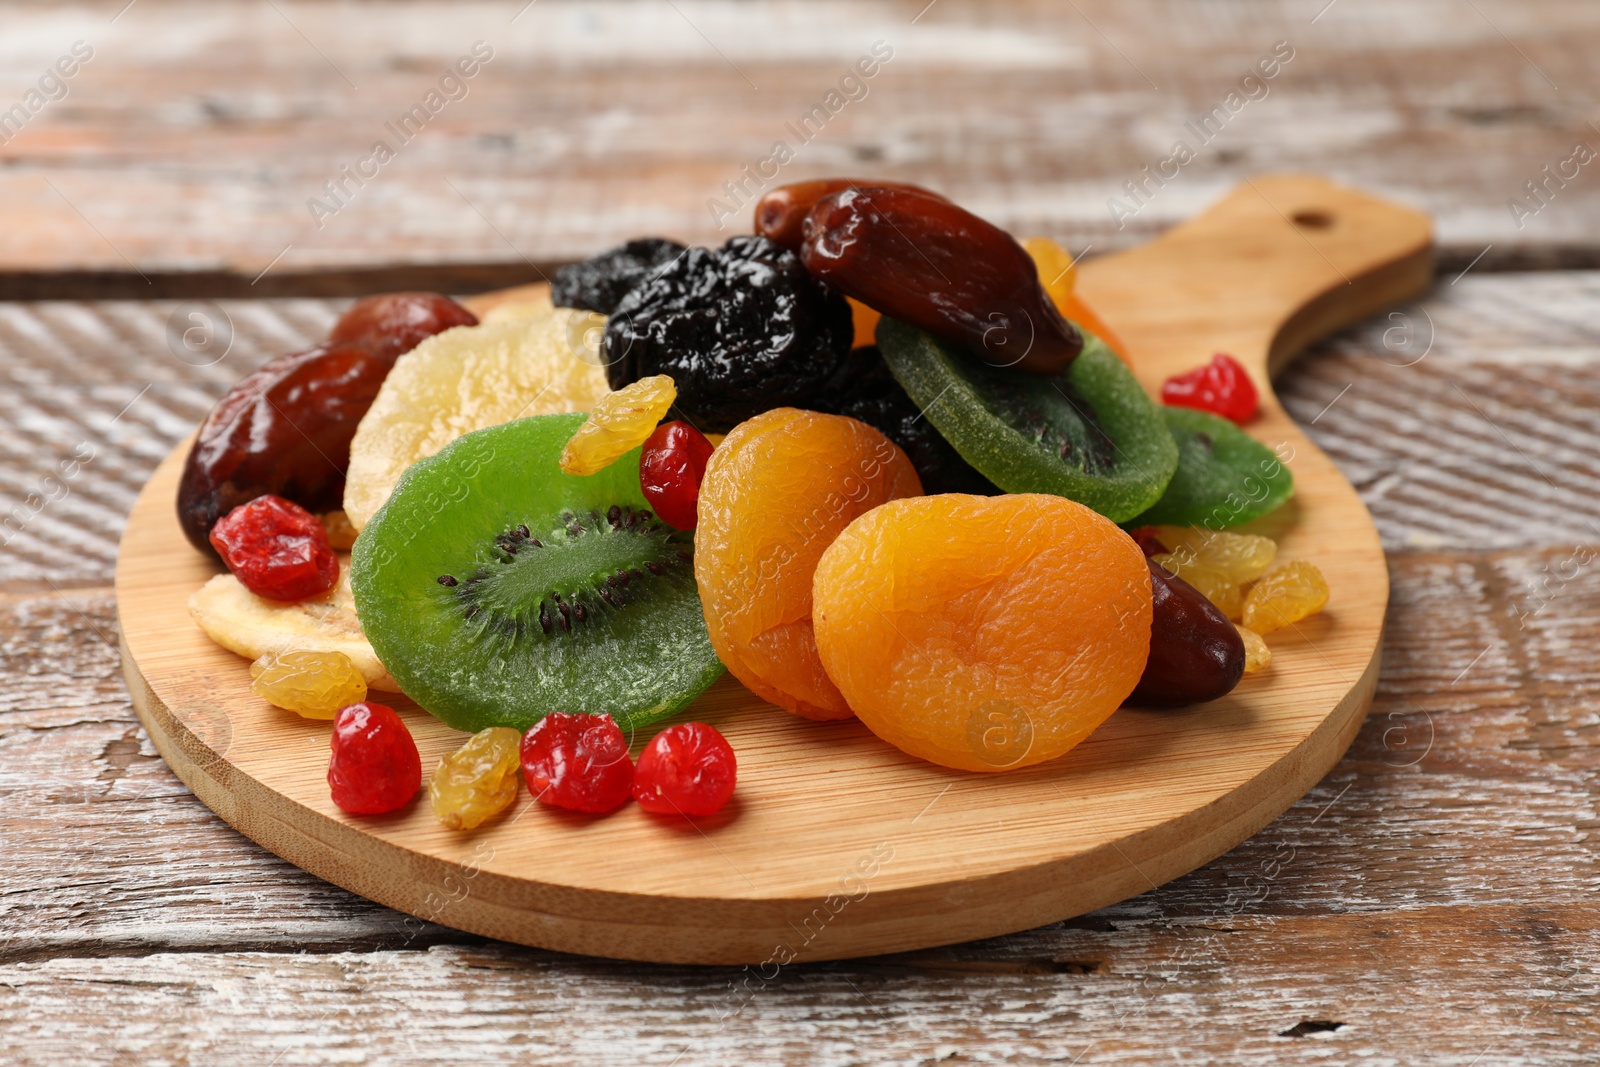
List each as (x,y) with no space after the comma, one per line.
(186,153)
(825,813)
(1430,902)
(1433,896)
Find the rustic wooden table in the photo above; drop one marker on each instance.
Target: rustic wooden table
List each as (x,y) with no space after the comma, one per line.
(1431,902)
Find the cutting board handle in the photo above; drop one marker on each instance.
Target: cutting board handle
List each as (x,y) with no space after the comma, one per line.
(1278,263)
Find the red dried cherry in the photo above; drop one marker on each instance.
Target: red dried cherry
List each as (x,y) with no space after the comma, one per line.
(1221,387)
(670,469)
(687,769)
(393,324)
(375,766)
(578,762)
(277,549)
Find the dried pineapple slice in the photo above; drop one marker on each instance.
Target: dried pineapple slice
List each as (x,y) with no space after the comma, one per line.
(468,379)
(252,626)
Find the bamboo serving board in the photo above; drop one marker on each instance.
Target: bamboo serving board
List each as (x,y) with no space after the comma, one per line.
(836,844)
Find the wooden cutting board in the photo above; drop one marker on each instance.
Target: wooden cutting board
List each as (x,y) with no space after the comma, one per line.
(836,844)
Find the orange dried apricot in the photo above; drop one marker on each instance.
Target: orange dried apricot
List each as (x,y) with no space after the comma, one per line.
(865,323)
(983,633)
(775,494)
(1058,273)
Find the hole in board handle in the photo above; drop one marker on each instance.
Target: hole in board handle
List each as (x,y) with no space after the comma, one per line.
(1312,219)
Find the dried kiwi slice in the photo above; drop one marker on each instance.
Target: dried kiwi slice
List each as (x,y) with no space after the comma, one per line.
(496,588)
(1090,434)
(1225,477)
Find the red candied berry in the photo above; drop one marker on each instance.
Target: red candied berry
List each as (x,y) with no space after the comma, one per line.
(687,769)
(278,549)
(375,767)
(577,761)
(1147,540)
(1221,387)
(670,469)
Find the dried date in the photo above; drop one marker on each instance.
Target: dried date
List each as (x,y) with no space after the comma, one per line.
(1196,654)
(940,268)
(284,430)
(781,214)
(392,324)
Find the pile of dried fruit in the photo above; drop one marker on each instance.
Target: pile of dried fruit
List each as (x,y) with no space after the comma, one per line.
(912,519)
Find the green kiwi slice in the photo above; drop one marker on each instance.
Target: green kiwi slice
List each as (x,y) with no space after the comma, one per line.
(1225,477)
(1090,434)
(496,588)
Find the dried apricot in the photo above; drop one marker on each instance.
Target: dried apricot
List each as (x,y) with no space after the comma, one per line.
(983,633)
(774,496)
(1058,273)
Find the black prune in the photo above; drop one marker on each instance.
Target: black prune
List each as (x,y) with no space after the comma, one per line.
(599,284)
(741,329)
(866,390)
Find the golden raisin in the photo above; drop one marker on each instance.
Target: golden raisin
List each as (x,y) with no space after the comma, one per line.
(618,423)
(1285,595)
(479,780)
(1239,557)
(1212,583)
(1257,656)
(314,685)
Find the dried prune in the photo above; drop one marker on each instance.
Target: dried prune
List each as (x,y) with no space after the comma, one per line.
(867,390)
(741,329)
(780,214)
(395,323)
(600,283)
(942,269)
(1196,654)
(283,430)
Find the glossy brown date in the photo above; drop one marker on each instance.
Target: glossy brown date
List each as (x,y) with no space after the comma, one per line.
(942,269)
(1195,653)
(781,214)
(283,430)
(286,428)
(392,324)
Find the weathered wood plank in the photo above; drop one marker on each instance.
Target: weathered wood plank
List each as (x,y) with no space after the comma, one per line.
(1500,984)
(186,151)
(1431,894)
